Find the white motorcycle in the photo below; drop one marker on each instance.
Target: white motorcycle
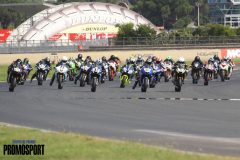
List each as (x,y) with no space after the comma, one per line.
(95,76)
(61,73)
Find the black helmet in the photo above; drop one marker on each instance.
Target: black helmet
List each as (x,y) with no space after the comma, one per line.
(18,61)
(25,60)
(104,58)
(80,56)
(112,56)
(197,58)
(154,58)
(47,59)
(149,61)
(215,56)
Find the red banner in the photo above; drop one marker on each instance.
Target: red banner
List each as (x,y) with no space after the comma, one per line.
(4,34)
(232,53)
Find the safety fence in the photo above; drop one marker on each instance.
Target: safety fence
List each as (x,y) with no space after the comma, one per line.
(167,42)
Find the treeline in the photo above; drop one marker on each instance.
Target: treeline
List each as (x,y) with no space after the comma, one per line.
(10,18)
(129,31)
(21,1)
(168,13)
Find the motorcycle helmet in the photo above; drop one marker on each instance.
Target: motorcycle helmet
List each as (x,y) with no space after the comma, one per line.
(139,57)
(19,61)
(99,61)
(149,61)
(197,58)
(132,60)
(158,60)
(64,59)
(154,58)
(104,58)
(215,57)
(181,59)
(26,60)
(168,58)
(112,57)
(47,59)
(79,56)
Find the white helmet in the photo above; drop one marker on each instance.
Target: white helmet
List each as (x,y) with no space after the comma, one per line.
(64,58)
(99,61)
(181,59)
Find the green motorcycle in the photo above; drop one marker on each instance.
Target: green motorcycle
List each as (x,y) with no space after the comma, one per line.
(72,70)
(127,73)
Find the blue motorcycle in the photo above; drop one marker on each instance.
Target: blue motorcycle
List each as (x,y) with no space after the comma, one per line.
(146,77)
(156,76)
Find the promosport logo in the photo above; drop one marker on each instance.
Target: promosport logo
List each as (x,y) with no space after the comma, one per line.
(23,147)
(232,53)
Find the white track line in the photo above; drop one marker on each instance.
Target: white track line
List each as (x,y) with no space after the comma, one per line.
(191,136)
(21,126)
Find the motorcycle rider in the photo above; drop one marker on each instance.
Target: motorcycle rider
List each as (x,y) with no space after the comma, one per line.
(116,60)
(197,59)
(45,61)
(104,59)
(230,63)
(17,63)
(79,58)
(26,62)
(180,61)
(147,63)
(64,62)
(140,60)
(88,61)
(216,58)
(129,63)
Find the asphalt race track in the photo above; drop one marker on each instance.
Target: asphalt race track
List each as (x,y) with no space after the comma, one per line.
(200,118)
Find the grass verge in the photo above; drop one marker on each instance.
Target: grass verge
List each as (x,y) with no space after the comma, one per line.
(69,146)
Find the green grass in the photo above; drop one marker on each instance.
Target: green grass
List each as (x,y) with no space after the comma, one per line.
(3,72)
(69,146)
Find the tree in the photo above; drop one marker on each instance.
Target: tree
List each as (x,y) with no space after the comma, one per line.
(145,31)
(166,12)
(126,30)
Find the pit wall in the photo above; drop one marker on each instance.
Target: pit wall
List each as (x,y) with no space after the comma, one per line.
(188,54)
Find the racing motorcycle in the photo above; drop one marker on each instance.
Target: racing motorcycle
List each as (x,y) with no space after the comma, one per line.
(41,72)
(209,70)
(15,77)
(179,77)
(216,65)
(112,70)
(146,77)
(137,76)
(224,71)
(95,77)
(156,76)
(26,70)
(127,73)
(167,71)
(61,73)
(72,70)
(196,70)
(104,72)
(84,77)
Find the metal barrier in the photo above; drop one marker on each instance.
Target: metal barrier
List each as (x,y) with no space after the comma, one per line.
(118,43)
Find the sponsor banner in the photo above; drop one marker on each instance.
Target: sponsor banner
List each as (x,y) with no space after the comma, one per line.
(232,53)
(4,34)
(81,36)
